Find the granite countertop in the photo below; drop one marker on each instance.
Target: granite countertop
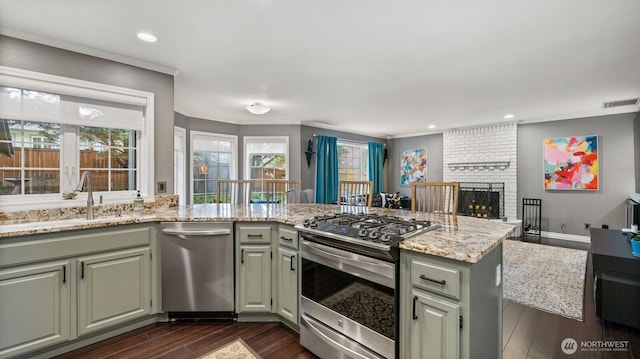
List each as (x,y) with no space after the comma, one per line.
(466,239)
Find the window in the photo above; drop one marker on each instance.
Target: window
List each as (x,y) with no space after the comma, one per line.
(353,161)
(266,158)
(52,129)
(213,157)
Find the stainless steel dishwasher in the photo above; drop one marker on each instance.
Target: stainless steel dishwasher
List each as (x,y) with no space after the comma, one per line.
(197,268)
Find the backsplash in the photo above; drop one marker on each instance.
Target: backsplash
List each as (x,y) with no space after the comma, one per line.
(54,214)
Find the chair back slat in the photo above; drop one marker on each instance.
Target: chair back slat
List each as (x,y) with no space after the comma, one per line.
(283,191)
(233,191)
(355,193)
(435,197)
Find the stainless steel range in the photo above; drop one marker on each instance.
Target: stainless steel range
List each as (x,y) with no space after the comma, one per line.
(349,302)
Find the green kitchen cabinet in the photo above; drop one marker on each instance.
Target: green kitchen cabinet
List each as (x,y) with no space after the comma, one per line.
(58,288)
(34,306)
(255,278)
(450,308)
(113,288)
(254,268)
(288,294)
(435,329)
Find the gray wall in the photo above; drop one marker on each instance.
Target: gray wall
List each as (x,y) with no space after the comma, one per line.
(35,57)
(197,124)
(616,171)
(307,173)
(433,144)
(636,149)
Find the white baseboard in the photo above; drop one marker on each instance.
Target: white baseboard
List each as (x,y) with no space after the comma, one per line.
(567,237)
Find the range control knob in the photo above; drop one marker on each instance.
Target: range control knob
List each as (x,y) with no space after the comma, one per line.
(373,235)
(313,224)
(362,233)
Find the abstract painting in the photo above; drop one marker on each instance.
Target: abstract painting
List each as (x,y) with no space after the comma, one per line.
(413,166)
(571,163)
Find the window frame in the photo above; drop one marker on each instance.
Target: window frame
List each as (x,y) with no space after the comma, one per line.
(246,140)
(179,165)
(233,165)
(59,85)
(363,147)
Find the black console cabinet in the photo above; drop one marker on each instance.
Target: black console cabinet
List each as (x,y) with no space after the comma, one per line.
(616,277)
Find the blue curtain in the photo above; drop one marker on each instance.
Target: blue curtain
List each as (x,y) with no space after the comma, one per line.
(327,170)
(376,162)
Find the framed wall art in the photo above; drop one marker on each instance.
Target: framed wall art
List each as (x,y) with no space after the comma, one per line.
(413,166)
(571,163)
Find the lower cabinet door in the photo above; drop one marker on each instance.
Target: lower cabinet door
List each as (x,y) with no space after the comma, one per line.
(435,327)
(34,307)
(255,279)
(113,288)
(288,284)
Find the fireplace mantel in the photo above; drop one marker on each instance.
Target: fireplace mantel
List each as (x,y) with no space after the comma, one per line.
(479,166)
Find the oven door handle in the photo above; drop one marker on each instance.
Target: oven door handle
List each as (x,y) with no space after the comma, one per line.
(317,249)
(313,327)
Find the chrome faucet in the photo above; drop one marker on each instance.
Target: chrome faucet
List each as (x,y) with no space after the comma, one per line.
(86,177)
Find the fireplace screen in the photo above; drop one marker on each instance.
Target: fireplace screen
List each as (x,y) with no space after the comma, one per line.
(481,199)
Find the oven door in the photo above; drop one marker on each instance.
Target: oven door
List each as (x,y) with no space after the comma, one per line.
(348,304)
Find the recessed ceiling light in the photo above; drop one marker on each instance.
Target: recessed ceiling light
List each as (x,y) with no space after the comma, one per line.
(509,116)
(432,126)
(145,36)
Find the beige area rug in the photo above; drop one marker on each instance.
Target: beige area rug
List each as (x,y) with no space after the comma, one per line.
(545,277)
(237,349)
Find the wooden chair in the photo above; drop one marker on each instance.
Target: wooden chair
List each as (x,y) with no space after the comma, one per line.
(435,197)
(355,193)
(233,191)
(283,191)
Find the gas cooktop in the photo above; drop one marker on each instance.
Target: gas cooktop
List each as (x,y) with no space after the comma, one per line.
(371,230)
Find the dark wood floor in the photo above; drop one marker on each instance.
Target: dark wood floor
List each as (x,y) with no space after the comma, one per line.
(527,333)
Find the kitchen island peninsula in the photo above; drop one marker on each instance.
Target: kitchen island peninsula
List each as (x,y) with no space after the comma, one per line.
(463,256)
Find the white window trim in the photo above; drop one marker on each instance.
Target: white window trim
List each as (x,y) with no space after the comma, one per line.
(38,81)
(180,144)
(247,139)
(233,170)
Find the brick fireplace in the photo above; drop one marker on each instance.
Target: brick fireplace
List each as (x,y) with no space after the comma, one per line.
(485,154)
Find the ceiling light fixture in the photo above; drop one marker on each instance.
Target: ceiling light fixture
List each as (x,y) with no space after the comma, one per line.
(258,108)
(147,37)
(431,127)
(509,116)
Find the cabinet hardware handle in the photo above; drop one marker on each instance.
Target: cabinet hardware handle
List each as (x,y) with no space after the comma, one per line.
(64,274)
(415,299)
(286,239)
(242,256)
(82,270)
(292,259)
(441,282)
(254,235)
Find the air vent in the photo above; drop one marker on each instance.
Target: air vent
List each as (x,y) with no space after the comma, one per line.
(629,102)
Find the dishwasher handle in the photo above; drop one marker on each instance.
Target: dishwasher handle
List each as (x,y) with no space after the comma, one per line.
(209,232)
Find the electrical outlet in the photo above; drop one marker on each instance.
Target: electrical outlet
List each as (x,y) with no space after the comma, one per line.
(563,226)
(162,187)
(587,225)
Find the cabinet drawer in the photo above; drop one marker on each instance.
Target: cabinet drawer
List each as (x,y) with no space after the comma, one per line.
(288,237)
(254,234)
(435,278)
